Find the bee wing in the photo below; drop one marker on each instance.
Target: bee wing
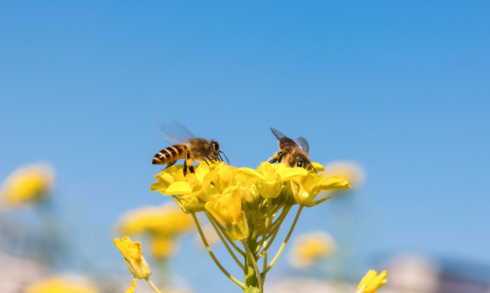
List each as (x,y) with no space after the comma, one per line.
(303,144)
(176,133)
(277,133)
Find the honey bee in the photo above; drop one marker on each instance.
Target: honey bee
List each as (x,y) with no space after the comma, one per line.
(294,153)
(187,146)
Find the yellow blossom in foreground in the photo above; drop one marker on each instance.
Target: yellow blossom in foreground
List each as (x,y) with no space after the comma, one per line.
(227,208)
(306,188)
(162,225)
(372,282)
(133,255)
(270,177)
(27,185)
(311,247)
(61,284)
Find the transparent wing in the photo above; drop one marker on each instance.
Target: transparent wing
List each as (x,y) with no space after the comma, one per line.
(303,144)
(175,133)
(277,133)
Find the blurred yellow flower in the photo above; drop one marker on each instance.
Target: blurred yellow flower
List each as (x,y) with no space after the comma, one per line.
(210,234)
(62,284)
(351,171)
(372,282)
(27,185)
(162,225)
(311,247)
(133,255)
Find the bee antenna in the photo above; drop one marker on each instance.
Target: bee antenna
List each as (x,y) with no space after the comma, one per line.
(314,169)
(225,157)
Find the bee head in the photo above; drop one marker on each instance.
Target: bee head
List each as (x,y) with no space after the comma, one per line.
(215,146)
(302,161)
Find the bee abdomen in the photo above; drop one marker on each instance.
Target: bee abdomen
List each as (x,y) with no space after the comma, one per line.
(170,154)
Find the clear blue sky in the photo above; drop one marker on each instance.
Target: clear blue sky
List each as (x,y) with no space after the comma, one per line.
(402,87)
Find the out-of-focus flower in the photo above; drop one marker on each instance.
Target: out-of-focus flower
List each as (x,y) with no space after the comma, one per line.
(351,171)
(210,234)
(372,282)
(27,185)
(162,225)
(62,284)
(133,255)
(311,247)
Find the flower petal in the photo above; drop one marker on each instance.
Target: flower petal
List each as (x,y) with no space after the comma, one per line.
(179,188)
(334,182)
(251,172)
(290,173)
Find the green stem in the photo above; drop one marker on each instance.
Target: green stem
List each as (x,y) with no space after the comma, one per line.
(223,270)
(283,245)
(275,230)
(254,264)
(225,242)
(227,236)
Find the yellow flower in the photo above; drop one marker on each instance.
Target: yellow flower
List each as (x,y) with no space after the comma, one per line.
(133,255)
(189,189)
(351,171)
(306,188)
(311,247)
(270,177)
(227,209)
(27,185)
(372,282)
(62,284)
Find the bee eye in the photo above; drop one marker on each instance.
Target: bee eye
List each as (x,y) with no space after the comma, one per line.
(299,164)
(215,145)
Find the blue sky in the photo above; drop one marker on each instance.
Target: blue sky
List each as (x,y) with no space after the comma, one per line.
(401,87)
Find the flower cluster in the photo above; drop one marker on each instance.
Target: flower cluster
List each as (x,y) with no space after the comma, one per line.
(246,205)
(238,197)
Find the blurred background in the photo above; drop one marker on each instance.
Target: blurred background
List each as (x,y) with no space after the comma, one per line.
(396,93)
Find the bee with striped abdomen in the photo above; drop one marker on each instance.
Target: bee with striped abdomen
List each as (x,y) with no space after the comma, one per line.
(294,153)
(187,146)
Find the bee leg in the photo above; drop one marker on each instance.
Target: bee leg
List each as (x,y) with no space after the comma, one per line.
(169,164)
(188,164)
(277,157)
(207,159)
